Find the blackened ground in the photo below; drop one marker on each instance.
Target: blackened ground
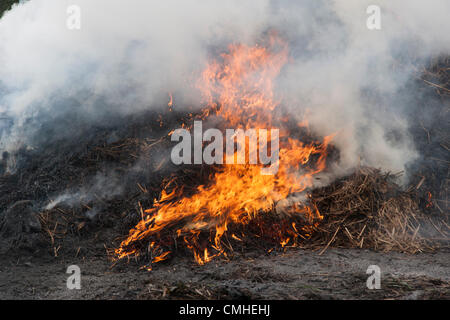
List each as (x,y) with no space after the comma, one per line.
(297,274)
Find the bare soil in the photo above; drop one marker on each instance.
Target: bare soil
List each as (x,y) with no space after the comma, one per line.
(294,274)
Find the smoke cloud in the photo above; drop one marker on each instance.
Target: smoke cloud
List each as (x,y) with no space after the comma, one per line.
(129,54)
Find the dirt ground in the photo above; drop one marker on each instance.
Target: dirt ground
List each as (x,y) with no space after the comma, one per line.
(294,274)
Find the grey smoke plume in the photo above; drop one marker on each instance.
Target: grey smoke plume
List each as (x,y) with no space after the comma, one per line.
(129,54)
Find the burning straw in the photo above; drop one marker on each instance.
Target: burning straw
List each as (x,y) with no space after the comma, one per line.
(364,210)
(238,204)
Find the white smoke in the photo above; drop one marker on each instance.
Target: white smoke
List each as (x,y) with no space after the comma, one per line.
(129,54)
(103,186)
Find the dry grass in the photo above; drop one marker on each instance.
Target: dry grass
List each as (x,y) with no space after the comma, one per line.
(369,210)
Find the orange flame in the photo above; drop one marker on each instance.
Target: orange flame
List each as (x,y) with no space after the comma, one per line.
(239,89)
(170,103)
(429,200)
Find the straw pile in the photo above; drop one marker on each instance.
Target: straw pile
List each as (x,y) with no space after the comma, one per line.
(368,210)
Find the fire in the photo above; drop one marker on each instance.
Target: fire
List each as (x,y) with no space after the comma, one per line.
(429,200)
(238,88)
(170,103)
